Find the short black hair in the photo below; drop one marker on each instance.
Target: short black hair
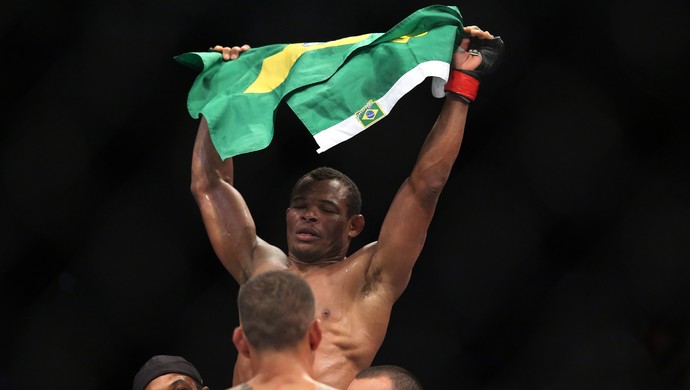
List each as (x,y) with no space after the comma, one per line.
(354,197)
(401,378)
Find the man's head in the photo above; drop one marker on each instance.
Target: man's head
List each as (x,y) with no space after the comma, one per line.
(353,196)
(324,215)
(385,377)
(277,312)
(165,372)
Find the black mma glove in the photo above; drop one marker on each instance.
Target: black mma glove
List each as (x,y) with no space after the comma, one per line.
(465,83)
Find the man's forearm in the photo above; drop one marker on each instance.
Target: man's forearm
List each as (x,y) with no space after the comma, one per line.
(207,167)
(442,145)
(478,54)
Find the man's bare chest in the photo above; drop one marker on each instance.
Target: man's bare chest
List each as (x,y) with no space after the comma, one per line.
(334,302)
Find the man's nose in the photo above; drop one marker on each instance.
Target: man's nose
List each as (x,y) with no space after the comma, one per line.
(310,215)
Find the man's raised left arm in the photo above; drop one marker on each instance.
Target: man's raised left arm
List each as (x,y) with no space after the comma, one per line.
(405,226)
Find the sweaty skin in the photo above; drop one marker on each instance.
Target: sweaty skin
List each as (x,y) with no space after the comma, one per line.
(352,304)
(355,294)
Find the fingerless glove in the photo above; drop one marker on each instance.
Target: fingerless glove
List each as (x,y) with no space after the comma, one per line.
(465,83)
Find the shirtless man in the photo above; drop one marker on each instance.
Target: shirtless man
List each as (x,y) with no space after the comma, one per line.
(355,294)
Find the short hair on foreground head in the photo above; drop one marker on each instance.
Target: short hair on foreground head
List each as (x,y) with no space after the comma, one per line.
(401,378)
(165,364)
(276,309)
(354,197)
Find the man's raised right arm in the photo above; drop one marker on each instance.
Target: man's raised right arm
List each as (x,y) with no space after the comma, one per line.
(227,219)
(229,224)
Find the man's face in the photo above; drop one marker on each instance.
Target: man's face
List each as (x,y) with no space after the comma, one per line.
(317,223)
(379,383)
(172,381)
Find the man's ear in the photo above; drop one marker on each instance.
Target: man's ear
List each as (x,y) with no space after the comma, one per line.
(315,334)
(240,341)
(356,225)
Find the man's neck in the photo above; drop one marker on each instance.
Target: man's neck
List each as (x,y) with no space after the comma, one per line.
(274,368)
(303,265)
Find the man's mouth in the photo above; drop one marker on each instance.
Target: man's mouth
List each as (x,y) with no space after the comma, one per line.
(306,234)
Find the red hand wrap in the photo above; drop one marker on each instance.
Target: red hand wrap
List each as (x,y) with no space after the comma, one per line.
(462,84)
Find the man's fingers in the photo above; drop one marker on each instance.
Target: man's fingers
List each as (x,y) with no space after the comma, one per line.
(230,53)
(224,51)
(477,32)
(464,44)
(236,50)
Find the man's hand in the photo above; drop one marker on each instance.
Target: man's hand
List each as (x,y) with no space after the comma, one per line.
(230,53)
(477,55)
(462,59)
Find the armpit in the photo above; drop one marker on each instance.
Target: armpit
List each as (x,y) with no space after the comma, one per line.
(372,281)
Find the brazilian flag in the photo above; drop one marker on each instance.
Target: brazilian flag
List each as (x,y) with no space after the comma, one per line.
(336,88)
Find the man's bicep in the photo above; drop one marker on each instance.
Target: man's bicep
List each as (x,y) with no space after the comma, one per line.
(401,239)
(230,229)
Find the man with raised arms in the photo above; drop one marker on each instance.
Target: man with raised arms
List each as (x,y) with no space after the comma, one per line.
(354,294)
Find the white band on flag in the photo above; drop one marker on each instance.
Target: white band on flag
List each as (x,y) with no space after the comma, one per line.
(351,126)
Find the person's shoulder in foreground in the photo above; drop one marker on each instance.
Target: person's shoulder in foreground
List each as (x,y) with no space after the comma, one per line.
(317,386)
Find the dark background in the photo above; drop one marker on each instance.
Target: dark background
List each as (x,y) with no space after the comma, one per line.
(559,257)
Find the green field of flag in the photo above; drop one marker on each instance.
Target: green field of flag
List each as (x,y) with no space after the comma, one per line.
(336,88)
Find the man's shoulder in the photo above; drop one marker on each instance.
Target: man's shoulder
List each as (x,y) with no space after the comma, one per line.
(364,253)
(245,386)
(359,260)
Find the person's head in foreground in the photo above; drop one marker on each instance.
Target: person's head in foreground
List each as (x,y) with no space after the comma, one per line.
(165,372)
(385,377)
(277,313)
